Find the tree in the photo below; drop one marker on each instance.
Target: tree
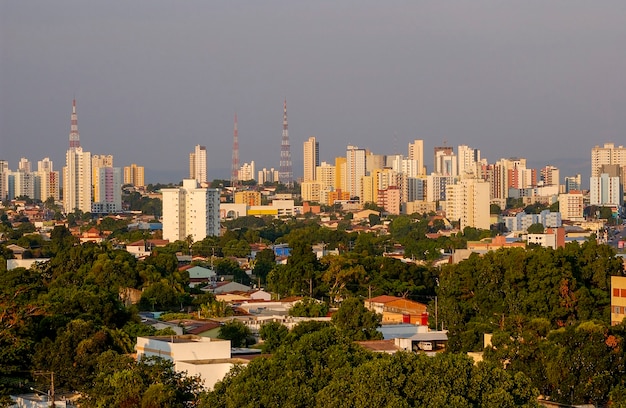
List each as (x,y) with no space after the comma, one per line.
(355,322)
(150,382)
(238,333)
(273,335)
(264,261)
(495,209)
(536,228)
(309,307)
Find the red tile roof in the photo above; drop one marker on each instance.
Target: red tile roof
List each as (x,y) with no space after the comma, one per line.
(382,299)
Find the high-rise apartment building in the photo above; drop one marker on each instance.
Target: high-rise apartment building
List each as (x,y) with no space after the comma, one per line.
(24,165)
(607,154)
(108,190)
(311,158)
(49,182)
(134,175)
(45,165)
(571,206)
(311,191)
(416,152)
(468,158)
(340,174)
(99,162)
(246,172)
(606,190)
(573,183)
(190,211)
(198,164)
(355,169)
(445,161)
(550,175)
(267,176)
(468,202)
(389,200)
(325,174)
(77,172)
(4,182)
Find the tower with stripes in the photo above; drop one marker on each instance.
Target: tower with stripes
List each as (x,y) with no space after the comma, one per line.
(285,174)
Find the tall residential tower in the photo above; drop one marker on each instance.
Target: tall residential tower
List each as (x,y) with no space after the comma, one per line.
(311,158)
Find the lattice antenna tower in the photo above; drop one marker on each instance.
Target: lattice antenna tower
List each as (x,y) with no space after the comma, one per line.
(74,136)
(285,174)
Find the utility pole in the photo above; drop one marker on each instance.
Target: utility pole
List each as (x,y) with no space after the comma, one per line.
(51,382)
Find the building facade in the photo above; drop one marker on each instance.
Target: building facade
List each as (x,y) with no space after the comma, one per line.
(190,211)
(134,175)
(311,158)
(198,164)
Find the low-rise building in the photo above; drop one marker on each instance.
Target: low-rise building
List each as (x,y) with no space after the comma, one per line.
(208,358)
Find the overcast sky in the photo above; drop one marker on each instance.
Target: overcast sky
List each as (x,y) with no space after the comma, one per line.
(545,80)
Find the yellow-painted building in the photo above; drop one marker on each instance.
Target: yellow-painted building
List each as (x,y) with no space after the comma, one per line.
(618,299)
(248,198)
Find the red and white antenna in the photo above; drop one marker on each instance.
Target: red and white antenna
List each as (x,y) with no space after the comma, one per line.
(74,136)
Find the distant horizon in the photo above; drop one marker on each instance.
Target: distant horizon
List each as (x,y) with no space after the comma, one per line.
(534,79)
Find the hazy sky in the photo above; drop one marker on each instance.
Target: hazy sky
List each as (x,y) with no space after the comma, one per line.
(545,80)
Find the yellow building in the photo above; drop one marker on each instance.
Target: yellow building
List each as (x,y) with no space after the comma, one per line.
(340,173)
(134,175)
(311,191)
(618,299)
(248,198)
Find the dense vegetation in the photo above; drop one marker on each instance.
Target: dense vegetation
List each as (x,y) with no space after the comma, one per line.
(324,368)
(547,310)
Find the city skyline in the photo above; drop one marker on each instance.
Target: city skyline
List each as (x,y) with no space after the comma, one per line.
(536,80)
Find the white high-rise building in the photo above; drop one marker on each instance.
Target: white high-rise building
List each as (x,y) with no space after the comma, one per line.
(45,165)
(355,169)
(246,172)
(198,164)
(190,210)
(608,154)
(605,190)
(311,158)
(325,173)
(267,176)
(416,152)
(468,202)
(77,181)
(446,163)
(468,158)
(24,165)
(4,180)
(23,184)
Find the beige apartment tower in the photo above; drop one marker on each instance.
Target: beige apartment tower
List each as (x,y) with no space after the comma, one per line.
(134,175)
(311,158)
